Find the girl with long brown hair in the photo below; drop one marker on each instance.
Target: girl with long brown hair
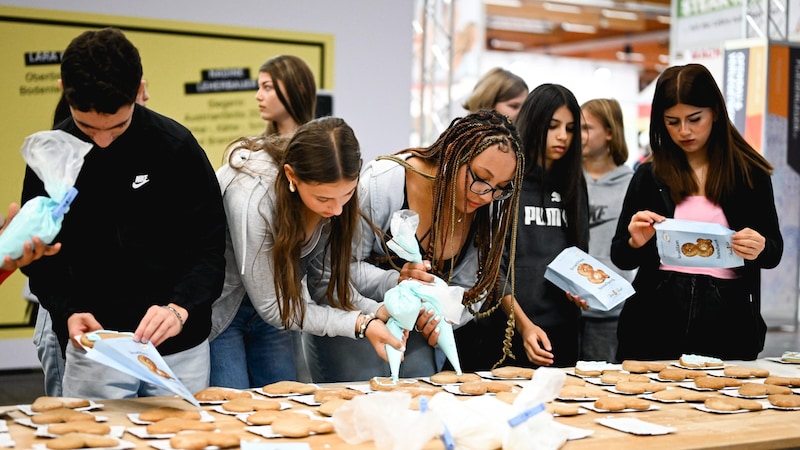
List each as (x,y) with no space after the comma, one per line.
(292,205)
(703,170)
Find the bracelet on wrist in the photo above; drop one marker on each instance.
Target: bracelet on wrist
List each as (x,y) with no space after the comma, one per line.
(177,314)
(362,328)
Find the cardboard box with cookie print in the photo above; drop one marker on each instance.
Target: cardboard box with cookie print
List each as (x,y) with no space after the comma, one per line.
(581,274)
(690,243)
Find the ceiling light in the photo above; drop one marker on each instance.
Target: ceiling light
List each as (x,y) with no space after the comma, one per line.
(516,3)
(630,56)
(518,24)
(616,14)
(578,28)
(562,8)
(501,44)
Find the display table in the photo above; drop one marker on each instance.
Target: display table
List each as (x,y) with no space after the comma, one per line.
(694,429)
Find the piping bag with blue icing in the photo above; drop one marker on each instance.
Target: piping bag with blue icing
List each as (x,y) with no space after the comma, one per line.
(56,157)
(405,300)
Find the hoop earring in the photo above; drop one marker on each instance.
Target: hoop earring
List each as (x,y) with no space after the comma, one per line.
(291,187)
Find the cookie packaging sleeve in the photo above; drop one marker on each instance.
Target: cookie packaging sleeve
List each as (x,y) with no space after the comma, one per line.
(138,360)
(690,243)
(581,274)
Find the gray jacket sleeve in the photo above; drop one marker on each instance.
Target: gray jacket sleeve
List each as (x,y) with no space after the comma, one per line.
(248,206)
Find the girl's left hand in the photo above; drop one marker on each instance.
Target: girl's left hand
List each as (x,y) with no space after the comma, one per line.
(579,302)
(748,243)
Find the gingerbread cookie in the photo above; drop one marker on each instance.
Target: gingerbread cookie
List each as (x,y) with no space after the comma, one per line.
(330,406)
(451,377)
(678,374)
(243,405)
(634,366)
(507,397)
(637,387)
(615,376)
(621,403)
(201,440)
(163,412)
(699,361)
(745,372)
(784,400)
(46,403)
(81,426)
(762,390)
(287,387)
(791,357)
(218,394)
(483,387)
(580,392)
(326,394)
(297,428)
(267,417)
(686,395)
(388,384)
(173,425)
(593,368)
(81,440)
(563,409)
(716,382)
(730,404)
(783,381)
(513,372)
(60,415)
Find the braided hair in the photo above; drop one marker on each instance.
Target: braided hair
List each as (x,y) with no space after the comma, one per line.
(465,138)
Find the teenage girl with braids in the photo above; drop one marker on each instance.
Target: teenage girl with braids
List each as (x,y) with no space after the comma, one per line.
(553,215)
(288,204)
(463,188)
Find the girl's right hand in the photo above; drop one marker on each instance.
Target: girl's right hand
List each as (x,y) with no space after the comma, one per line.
(416,271)
(641,227)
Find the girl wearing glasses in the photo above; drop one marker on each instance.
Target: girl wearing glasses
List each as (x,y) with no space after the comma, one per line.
(463,188)
(553,215)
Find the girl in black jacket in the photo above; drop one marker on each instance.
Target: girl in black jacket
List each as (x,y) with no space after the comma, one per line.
(701,169)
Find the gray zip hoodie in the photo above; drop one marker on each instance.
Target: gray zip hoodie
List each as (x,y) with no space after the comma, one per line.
(249,201)
(605,203)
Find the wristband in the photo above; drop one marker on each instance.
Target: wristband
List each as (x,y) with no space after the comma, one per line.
(364,323)
(177,314)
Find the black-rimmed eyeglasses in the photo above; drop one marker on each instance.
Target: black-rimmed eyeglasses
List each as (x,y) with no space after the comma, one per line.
(480,186)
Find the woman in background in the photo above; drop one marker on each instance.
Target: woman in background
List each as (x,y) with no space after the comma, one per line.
(701,169)
(287,94)
(500,90)
(604,155)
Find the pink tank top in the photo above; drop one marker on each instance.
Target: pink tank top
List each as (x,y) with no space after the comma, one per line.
(699,208)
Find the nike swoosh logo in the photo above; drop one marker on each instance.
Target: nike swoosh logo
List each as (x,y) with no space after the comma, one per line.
(138,184)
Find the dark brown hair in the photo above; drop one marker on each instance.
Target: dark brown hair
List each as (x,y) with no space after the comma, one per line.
(730,157)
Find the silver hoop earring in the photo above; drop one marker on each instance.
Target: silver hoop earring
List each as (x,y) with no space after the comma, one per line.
(291,187)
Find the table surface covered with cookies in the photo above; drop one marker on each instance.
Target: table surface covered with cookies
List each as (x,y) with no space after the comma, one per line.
(688,403)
